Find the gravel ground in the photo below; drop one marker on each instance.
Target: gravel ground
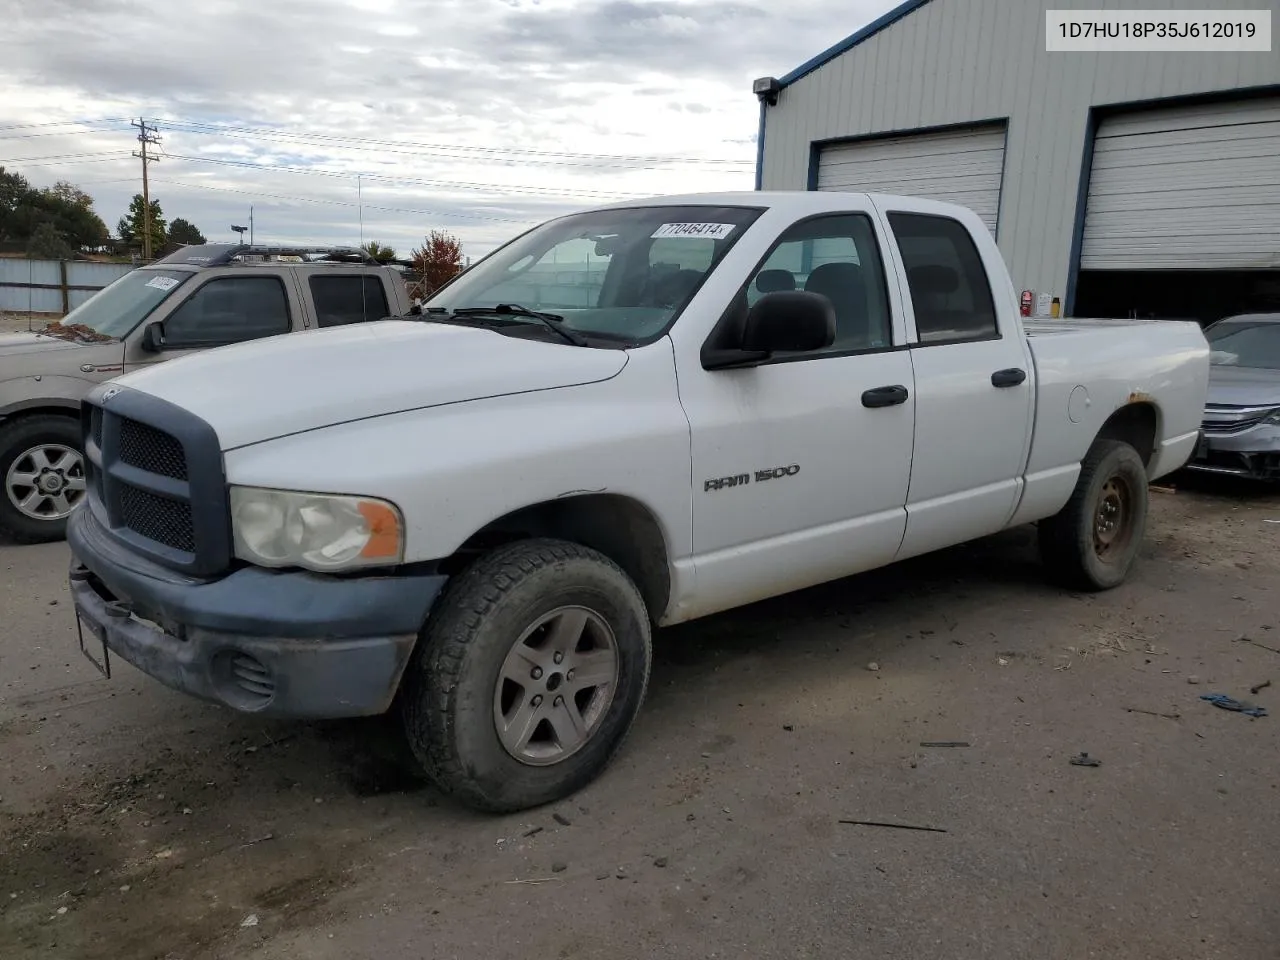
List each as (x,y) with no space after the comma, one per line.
(137,824)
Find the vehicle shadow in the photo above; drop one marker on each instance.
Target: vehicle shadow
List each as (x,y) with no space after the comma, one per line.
(369,758)
(1005,562)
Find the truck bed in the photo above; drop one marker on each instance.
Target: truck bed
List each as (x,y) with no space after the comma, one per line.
(1123,362)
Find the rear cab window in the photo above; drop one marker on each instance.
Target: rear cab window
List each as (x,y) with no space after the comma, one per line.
(347,298)
(950,292)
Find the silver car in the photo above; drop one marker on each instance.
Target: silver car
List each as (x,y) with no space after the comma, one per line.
(1240,434)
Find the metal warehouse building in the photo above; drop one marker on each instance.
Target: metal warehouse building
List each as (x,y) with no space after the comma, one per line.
(1126,184)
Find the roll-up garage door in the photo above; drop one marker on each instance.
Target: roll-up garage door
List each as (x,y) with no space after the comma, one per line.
(962,165)
(1186,188)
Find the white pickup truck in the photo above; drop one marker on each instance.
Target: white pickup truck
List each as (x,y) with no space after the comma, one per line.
(625,418)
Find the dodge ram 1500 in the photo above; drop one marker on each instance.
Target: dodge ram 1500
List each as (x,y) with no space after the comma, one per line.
(625,418)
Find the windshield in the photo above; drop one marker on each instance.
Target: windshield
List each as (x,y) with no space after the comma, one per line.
(618,274)
(116,309)
(1238,343)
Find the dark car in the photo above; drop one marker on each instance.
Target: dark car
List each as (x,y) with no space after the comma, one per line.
(1241,427)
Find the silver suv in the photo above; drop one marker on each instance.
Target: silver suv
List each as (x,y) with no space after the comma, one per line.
(198,298)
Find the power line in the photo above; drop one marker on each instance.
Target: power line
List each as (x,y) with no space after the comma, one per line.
(63,123)
(340,203)
(460,152)
(495,187)
(439,153)
(52,133)
(264,133)
(66,156)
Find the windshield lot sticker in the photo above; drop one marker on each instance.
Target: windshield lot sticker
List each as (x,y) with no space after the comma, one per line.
(162,283)
(716,231)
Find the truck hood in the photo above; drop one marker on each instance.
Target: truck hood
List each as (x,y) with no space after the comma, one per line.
(296,382)
(19,344)
(1243,386)
(31,355)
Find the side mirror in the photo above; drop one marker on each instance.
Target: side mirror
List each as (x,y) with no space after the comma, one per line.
(789,320)
(153,337)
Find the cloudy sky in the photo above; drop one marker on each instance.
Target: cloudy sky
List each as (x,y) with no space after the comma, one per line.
(478,116)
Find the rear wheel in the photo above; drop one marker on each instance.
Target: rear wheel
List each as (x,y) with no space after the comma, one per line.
(1092,543)
(42,472)
(528,675)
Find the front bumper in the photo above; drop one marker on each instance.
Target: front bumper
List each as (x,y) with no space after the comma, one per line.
(1252,453)
(288,644)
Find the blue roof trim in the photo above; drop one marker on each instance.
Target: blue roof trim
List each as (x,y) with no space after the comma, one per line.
(851,41)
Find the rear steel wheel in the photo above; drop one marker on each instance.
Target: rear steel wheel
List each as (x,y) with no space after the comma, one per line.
(1092,542)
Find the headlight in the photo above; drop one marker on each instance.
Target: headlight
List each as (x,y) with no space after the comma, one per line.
(323,532)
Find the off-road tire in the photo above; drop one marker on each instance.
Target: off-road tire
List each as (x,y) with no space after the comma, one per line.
(16,437)
(1069,547)
(447,696)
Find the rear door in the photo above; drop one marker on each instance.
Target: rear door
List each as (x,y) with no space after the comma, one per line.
(339,299)
(973,379)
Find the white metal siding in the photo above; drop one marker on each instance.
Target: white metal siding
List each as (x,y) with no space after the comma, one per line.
(959,166)
(1194,187)
(967,61)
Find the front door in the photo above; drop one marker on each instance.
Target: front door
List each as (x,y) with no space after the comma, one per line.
(801,464)
(226,309)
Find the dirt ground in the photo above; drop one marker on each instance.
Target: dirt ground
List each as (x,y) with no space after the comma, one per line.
(22,322)
(137,824)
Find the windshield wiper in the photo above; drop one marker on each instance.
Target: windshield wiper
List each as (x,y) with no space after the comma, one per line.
(551,320)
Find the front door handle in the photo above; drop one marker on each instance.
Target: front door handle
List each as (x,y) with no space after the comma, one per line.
(1008,378)
(884,396)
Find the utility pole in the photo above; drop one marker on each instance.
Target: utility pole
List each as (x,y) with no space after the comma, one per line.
(146,135)
(251,225)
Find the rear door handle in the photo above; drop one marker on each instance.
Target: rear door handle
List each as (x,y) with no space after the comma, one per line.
(884,396)
(1008,378)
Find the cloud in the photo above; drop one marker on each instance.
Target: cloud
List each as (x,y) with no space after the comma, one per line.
(483,111)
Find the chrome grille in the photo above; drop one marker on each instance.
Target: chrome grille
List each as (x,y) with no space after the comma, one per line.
(1225,419)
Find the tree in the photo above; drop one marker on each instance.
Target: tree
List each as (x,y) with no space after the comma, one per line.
(184,231)
(47,243)
(69,193)
(64,207)
(130,228)
(70,210)
(437,261)
(17,215)
(380,253)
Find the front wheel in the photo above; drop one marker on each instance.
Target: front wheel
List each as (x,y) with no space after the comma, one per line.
(42,472)
(528,675)
(1092,543)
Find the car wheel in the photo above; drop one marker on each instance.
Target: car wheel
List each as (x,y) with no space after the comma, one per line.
(42,472)
(528,675)
(1092,543)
